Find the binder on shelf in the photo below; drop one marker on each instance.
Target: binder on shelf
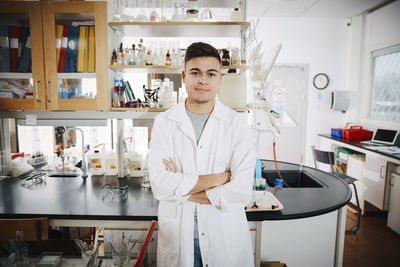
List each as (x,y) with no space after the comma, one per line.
(86,64)
(14,40)
(72,48)
(59,34)
(91,50)
(81,49)
(4,49)
(24,59)
(63,49)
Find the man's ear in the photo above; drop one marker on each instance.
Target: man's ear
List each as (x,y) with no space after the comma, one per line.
(183,76)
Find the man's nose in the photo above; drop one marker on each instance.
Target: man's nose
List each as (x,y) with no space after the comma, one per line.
(202,79)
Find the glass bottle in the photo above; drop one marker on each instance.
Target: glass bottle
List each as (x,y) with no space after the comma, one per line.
(168,59)
(226,61)
(114,58)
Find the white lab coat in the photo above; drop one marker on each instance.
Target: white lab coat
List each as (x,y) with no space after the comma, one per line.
(226,144)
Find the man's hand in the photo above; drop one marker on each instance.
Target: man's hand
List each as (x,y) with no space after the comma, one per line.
(169,165)
(205,181)
(200,197)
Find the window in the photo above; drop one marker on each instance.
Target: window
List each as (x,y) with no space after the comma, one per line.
(385,97)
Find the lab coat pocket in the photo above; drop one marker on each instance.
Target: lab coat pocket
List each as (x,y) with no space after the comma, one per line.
(237,237)
(168,234)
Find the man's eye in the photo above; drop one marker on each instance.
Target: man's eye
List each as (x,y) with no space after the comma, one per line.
(195,73)
(211,75)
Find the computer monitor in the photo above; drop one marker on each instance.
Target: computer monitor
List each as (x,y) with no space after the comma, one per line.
(384,136)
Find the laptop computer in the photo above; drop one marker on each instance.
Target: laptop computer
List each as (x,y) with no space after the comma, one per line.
(383,137)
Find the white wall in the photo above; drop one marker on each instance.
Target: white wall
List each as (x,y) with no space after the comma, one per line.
(323,44)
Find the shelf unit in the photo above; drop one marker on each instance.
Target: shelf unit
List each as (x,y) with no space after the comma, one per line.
(162,109)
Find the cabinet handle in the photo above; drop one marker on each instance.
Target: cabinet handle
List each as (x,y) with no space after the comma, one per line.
(47,92)
(37,91)
(380,173)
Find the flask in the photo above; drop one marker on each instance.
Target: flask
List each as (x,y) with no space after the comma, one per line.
(235,15)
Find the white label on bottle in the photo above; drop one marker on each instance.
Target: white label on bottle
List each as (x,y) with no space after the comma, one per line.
(13,42)
(64,42)
(28,42)
(58,43)
(31,119)
(4,42)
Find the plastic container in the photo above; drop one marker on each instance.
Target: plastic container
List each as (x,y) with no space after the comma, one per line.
(111,163)
(96,163)
(354,132)
(134,164)
(336,132)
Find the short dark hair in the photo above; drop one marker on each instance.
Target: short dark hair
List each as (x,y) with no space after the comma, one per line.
(200,49)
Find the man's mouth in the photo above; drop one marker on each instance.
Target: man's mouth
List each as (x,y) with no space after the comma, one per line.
(201,90)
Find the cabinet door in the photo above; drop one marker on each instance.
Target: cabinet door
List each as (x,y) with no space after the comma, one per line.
(21,56)
(394,203)
(374,181)
(76,78)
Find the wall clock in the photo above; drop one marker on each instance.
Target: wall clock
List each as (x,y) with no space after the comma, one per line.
(321,81)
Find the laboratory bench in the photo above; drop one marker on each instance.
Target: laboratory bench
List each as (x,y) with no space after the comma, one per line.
(76,201)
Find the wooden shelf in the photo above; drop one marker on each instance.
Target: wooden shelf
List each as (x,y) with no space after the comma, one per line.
(225,23)
(187,29)
(76,75)
(162,109)
(140,109)
(162,67)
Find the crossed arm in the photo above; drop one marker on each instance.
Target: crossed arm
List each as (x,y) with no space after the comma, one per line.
(197,193)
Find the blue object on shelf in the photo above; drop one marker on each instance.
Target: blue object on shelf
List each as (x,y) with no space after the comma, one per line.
(336,132)
(279,183)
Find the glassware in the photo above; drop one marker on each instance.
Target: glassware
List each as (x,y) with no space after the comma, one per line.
(114,193)
(146,179)
(121,249)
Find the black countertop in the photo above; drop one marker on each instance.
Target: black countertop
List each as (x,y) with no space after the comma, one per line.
(357,143)
(77,198)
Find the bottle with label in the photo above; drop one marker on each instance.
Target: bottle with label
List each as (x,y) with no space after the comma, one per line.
(235,15)
(134,164)
(96,163)
(226,60)
(168,59)
(111,163)
(114,58)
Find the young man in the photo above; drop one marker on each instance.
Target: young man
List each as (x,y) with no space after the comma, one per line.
(201,163)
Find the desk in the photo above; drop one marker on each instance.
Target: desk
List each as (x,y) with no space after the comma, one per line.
(374,177)
(78,202)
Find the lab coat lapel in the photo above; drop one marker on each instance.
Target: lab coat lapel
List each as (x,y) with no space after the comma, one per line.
(179,115)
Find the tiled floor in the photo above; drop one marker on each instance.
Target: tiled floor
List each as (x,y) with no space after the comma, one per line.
(374,244)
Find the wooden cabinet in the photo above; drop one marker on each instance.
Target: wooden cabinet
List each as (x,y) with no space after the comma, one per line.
(394,203)
(44,80)
(374,181)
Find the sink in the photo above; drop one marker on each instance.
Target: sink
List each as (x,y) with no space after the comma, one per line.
(294,178)
(65,174)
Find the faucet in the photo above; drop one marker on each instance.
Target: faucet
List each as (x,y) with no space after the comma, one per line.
(84,175)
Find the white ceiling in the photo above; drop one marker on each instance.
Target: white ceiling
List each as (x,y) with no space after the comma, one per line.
(310,8)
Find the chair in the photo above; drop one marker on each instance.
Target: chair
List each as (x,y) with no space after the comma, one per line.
(143,249)
(35,229)
(328,157)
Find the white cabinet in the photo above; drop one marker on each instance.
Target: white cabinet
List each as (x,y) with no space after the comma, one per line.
(394,203)
(355,168)
(374,181)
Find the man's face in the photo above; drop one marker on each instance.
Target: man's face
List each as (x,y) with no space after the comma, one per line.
(202,78)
